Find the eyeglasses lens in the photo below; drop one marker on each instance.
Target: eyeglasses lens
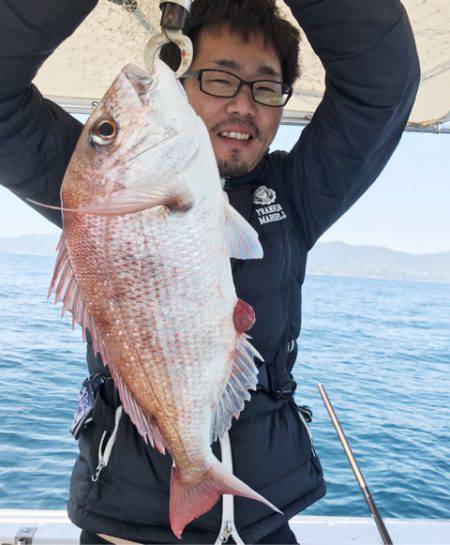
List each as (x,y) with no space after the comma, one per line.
(269,93)
(219,83)
(224,85)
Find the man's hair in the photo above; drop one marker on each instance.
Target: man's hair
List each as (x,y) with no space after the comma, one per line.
(244,18)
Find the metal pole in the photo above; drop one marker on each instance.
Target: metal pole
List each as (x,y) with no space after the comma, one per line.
(84,106)
(359,477)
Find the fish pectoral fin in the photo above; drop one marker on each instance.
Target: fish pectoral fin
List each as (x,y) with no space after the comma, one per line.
(176,197)
(242,240)
(189,501)
(66,289)
(244,377)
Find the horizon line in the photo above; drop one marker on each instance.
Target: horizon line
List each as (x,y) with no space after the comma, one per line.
(366,245)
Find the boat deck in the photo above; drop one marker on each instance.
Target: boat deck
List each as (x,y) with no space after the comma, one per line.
(54,528)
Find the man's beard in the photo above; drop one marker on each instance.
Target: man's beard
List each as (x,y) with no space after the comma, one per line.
(234,166)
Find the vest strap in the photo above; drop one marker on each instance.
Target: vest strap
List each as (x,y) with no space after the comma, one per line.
(275,377)
(228,528)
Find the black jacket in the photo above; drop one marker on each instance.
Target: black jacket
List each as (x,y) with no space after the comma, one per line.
(291,198)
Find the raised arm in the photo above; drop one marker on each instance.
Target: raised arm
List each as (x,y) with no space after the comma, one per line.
(372,75)
(37,137)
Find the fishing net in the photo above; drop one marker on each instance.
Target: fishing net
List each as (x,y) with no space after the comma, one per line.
(116,31)
(120,33)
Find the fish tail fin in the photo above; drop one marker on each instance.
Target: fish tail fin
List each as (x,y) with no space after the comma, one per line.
(190,500)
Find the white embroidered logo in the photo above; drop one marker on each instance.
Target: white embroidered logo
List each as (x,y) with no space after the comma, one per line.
(270,211)
(264,195)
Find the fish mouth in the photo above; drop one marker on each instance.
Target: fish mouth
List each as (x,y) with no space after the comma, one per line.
(140,80)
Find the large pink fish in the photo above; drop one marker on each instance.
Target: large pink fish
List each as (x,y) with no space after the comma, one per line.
(144,264)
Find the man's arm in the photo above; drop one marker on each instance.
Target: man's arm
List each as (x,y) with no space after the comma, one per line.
(37,137)
(372,75)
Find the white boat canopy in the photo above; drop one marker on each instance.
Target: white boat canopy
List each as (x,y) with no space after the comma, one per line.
(83,67)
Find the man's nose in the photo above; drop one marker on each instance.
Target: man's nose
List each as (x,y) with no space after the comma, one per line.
(242,104)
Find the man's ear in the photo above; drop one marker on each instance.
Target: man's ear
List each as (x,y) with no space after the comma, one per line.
(170,54)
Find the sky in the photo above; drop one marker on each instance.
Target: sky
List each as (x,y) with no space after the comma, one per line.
(407,209)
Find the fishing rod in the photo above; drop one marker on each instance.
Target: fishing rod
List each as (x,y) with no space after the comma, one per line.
(359,476)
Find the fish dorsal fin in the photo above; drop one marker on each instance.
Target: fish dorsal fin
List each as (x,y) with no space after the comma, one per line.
(242,379)
(144,425)
(66,289)
(242,239)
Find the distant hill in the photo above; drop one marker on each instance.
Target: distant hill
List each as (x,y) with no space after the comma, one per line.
(333,258)
(339,258)
(30,244)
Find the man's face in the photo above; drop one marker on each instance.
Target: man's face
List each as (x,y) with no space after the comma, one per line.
(240,114)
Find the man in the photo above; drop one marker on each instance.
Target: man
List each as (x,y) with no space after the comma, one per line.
(372,70)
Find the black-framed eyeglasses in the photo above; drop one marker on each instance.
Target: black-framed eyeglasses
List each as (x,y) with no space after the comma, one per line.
(223,84)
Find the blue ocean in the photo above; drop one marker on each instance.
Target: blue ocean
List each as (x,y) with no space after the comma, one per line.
(380,347)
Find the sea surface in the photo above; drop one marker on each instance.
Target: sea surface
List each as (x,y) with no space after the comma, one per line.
(380,347)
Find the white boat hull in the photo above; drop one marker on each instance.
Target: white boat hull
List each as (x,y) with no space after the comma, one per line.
(54,528)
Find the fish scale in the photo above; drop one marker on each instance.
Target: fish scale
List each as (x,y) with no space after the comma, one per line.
(167,305)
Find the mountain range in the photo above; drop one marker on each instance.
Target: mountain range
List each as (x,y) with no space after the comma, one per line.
(331,258)
(339,258)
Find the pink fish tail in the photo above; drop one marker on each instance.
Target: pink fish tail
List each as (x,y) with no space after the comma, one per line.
(189,501)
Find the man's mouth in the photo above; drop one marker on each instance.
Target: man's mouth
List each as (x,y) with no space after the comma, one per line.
(235,135)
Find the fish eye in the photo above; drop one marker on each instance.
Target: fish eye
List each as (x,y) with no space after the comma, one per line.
(103,132)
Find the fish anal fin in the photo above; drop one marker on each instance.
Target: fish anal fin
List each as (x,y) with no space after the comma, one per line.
(243,378)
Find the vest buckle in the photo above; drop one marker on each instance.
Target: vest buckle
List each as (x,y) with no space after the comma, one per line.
(287,391)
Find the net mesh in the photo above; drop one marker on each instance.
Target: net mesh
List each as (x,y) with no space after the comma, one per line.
(430,20)
(116,31)
(122,28)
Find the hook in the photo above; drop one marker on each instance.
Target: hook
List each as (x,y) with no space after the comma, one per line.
(174,14)
(156,42)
